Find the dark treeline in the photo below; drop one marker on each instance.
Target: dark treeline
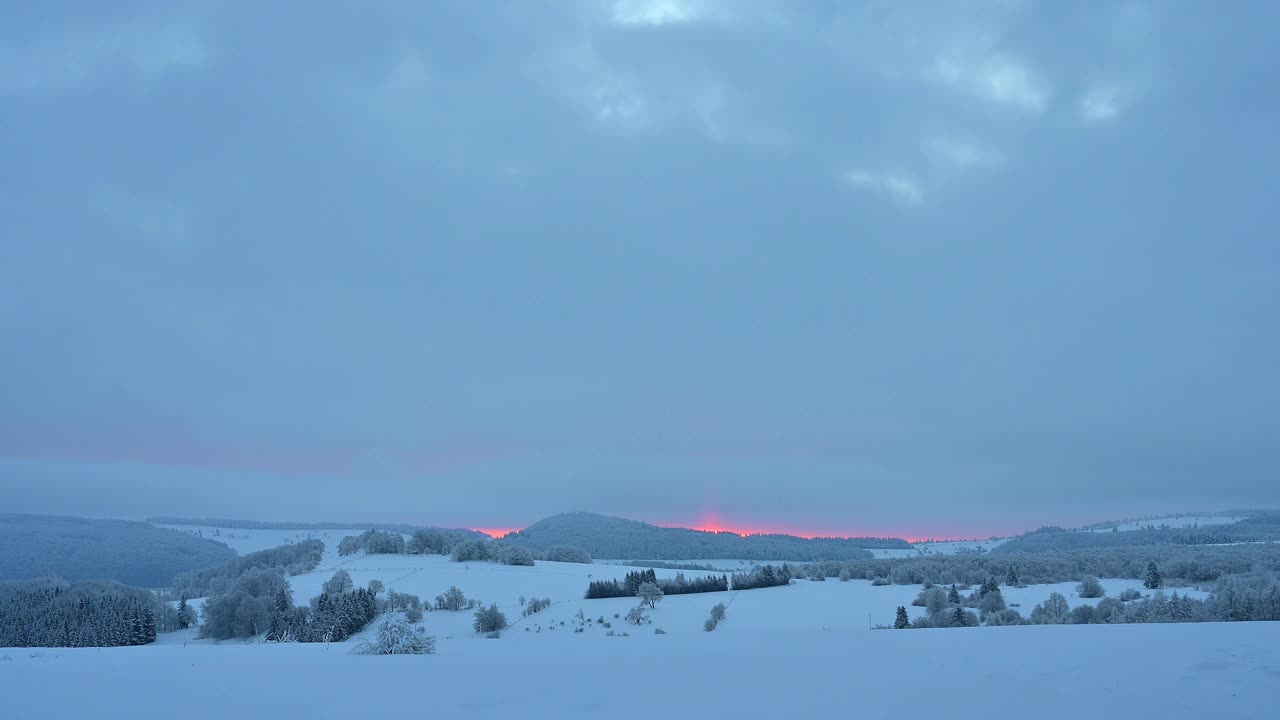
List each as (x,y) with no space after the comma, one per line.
(292,559)
(91,615)
(1186,564)
(679,585)
(331,617)
(763,576)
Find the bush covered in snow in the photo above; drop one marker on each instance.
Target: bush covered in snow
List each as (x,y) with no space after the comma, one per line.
(489,620)
(396,637)
(1089,587)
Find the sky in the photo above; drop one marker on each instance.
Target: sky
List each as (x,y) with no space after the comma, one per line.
(927,269)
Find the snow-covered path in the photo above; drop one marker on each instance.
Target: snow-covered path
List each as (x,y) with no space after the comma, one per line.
(1166,671)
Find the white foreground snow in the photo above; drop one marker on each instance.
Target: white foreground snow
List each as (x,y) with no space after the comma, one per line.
(1221,671)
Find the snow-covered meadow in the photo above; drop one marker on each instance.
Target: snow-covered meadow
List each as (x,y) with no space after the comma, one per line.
(1171,521)
(803,648)
(1222,671)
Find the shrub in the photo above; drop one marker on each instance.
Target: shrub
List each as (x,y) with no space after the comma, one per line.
(536,605)
(1130,594)
(1089,587)
(709,624)
(718,611)
(636,615)
(452,599)
(490,620)
(413,615)
(396,637)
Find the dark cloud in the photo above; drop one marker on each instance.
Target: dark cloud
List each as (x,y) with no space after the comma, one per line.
(887,266)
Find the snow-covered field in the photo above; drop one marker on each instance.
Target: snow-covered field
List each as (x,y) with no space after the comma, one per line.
(1173,521)
(805,605)
(804,648)
(247,541)
(952,547)
(1222,671)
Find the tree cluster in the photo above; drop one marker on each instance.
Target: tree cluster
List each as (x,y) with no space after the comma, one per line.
(763,576)
(373,542)
(291,559)
(331,617)
(679,585)
(57,616)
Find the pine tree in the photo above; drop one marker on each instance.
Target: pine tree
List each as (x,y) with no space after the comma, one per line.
(958,617)
(953,595)
(184,614)
(1011,577)
(901,621)
(1154,580)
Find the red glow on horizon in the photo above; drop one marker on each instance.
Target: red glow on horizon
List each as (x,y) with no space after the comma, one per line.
(495,533)
(710,521)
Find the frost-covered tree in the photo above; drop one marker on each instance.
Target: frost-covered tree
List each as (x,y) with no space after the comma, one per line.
(992,602)
(636,615)
(901,620)
(719,611)
(933,600)
(489,620)
(397,637)
(339,583)
(568,553)
(1053,611)
(1089,587)
(452,599)
(650,594)
(1154,580)
(953,595)
(845,575)
(376,586)
(186,614)
(1011,577)
(413,615)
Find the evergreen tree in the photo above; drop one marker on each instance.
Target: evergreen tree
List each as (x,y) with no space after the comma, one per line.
(953,595)
(901,621)
(1154,580)
(1011,577)
(958,617)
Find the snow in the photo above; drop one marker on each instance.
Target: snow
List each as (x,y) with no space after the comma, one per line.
(1174,521)
(1223,671)
(803,648)
(952,547)
(248,541)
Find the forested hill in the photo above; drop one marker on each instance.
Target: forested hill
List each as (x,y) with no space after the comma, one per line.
(263,525)
(75,549)
(1262,527)
(612,537)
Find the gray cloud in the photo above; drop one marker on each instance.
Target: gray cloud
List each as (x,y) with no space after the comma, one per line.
(891,266)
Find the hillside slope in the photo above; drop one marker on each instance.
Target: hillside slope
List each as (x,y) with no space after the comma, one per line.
(74,549)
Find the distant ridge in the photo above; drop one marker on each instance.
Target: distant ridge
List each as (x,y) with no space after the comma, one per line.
(268,525)
(604,536)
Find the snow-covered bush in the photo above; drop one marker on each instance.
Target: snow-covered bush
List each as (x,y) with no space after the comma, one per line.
(397,637)
(536,605)
(489,620)
(1129,594)
(1089,587)
(709,624)
(636,615)
(452,599)
(718,611)
(512,555)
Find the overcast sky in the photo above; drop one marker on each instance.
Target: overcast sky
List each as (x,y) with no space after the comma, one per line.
(939,268)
